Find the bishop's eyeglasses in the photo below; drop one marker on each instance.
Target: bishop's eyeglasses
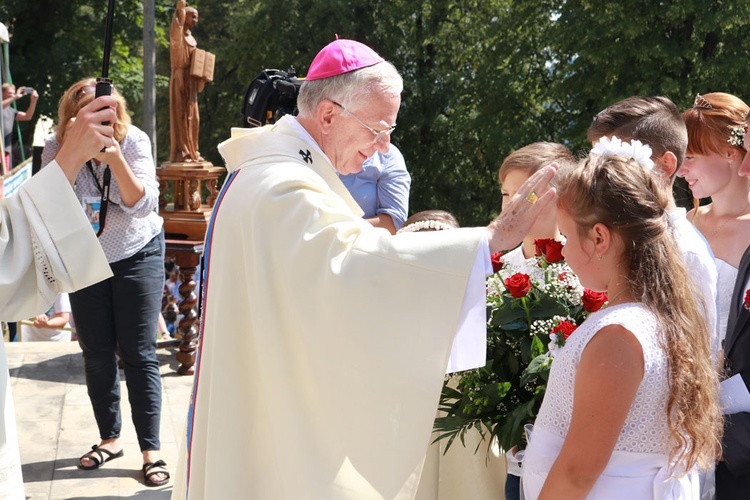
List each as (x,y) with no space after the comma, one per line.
(379,134)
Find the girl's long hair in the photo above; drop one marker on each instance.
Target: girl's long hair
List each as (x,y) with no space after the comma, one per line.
(628,199)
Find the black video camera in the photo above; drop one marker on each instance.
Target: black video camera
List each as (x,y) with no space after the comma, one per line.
(270,95)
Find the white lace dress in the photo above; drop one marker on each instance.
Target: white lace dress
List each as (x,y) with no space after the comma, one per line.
(637,468)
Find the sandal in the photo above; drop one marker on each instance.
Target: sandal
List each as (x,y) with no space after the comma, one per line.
(148,473)
(97,456)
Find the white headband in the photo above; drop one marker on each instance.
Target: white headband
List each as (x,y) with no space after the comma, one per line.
(425,224)
(634,149)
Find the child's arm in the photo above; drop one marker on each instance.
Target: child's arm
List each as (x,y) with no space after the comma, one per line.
(607,378)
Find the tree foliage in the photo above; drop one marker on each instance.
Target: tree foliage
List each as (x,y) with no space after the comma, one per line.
(482,77)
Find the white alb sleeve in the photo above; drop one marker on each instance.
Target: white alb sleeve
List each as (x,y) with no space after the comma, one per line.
(470,343)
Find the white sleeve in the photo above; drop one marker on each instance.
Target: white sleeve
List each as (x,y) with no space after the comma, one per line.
(470,343)
(62,303)
(706,278)
(46,245)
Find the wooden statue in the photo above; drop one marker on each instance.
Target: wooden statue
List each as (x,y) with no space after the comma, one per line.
(191,69)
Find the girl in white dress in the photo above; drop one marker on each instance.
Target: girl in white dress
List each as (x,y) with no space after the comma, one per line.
(631,406)
(716,131)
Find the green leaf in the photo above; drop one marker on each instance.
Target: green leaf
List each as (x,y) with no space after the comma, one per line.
(539,367)
(526,355)
(537,346)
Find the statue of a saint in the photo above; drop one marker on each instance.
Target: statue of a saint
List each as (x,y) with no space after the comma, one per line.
(191,69)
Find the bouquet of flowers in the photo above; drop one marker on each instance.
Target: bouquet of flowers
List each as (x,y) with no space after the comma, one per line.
(531,313)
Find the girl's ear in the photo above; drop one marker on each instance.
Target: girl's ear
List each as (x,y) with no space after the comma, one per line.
(602,238)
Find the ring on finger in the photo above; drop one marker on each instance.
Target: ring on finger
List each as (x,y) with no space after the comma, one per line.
(532,197)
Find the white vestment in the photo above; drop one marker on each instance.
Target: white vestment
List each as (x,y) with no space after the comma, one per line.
(46,247)
(324,340)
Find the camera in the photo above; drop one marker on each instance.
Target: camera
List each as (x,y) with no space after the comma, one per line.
(28,90)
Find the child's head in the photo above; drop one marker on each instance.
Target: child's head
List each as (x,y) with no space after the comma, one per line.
(622,195)
(524,162)
(655,121)
(616,199)
(715,124)
(429,220)
(171,310)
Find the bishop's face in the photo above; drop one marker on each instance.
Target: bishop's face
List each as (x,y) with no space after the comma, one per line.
(355,133)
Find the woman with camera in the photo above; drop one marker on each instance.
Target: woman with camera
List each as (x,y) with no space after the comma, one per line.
(121,312)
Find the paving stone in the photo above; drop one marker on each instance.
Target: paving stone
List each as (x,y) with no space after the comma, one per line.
(56,425)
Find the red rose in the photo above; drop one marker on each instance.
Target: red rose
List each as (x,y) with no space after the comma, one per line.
(565,327)
(497,261)
(593,301)
(518,285)
(747,299)
(551,249)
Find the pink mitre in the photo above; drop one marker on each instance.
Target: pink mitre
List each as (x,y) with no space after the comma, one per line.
(341,56)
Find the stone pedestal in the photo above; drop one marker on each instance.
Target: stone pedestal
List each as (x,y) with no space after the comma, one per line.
(185,223)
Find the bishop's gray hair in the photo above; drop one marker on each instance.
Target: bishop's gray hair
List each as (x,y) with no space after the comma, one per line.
(349,89)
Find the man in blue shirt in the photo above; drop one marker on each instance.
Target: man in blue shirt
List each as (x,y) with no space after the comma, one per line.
(381,189)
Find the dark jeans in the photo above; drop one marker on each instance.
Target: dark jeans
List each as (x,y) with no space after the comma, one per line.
(13,332)
(512,487)
(123,312)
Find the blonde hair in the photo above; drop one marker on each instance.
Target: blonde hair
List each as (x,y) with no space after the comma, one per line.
(630,201)
(533,157)
(79,95)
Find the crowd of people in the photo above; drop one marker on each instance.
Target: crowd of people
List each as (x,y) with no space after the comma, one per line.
(648,398)
(652,414)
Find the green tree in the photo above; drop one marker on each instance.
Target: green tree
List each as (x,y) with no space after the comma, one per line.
(55,43)
(482,77)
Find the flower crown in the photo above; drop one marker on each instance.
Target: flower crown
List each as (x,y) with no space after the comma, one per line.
(634,149)
(425,224)
(737,136)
